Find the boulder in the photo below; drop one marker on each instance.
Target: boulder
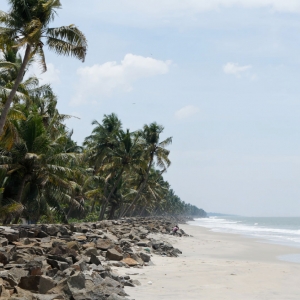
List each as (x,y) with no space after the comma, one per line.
(77,281)
(34,267)
(73,245)
(130,262)
(95,260)
(90,251)
(104,244)
(46,284)
(113,254)
(4,257)
(52,230)
(145,257)
(3,242)
(30,283)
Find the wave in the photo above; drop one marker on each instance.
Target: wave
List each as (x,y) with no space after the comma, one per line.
(272,233)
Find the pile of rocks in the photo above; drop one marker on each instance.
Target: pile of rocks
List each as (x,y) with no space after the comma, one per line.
(47,262)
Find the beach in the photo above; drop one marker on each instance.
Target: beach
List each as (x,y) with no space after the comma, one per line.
(217,266)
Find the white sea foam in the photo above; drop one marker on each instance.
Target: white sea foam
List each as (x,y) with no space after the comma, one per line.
(279,230)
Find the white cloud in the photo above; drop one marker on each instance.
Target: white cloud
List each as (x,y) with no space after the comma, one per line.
(50,76)
(235,69)
(99,80)
(186,112)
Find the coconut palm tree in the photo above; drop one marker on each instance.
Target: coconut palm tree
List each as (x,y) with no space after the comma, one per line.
(38,165)
(27,25)
(154,151)
(126,157)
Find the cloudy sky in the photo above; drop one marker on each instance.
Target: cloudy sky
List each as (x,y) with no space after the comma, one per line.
(222,76)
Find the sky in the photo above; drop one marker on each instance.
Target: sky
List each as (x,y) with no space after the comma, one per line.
(222,77)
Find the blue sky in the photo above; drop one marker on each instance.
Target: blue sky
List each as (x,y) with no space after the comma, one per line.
(222,76)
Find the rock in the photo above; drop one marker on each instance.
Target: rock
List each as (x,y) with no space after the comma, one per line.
(23,294)
(113,254)
(143,243)
(3,242)
(47,297)
(34,267)
(73,245)
(42,234)
(145,257)
(90,251)
(30,283)
(4,257)
(114,296)
(52,230)
(104,244)
(11,235)
(137,258)
(77,281)
(128,283)
(130,262)
(136,282)
(58,264)
(17,273)
(51,272)
(89,245)
(95,260)
(46,283)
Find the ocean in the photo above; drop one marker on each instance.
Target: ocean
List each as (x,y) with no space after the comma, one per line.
(285,231)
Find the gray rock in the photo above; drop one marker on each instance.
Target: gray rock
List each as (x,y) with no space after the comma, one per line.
(95,260)
(145,257)
(47,297)
(90,251)
(17,273)
(46,283)
(3,242)
(104,244)
(52,230)
(4,257)
(77,281)
(58,264)
(114,296)
(34,267)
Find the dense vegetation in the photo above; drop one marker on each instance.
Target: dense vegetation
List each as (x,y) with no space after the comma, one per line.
(44,175)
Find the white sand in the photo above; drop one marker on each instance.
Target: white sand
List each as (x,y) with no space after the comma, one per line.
(218,266)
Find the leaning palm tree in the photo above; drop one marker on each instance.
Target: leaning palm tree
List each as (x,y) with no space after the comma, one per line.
(27,25)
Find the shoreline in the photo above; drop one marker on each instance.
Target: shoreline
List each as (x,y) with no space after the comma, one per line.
(217,266)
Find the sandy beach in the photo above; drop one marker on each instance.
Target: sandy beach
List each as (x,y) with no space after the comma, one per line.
(218,266)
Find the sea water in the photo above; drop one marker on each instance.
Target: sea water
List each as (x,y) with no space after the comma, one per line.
(285,231)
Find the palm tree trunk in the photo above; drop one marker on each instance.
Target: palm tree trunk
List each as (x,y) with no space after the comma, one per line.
(110,195)
(69,212)
(21,189)
(136,197)
(140,189)
(93,205)
(19,196)
(14,89)
(143,210)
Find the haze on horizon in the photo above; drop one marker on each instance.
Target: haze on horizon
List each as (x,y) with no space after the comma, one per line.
(221,76)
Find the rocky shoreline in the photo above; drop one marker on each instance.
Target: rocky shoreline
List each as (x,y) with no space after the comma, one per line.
(48,262)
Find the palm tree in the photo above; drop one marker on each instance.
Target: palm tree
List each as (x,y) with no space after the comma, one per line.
(154,150)
(27,25)
(38,166)
(126,157)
